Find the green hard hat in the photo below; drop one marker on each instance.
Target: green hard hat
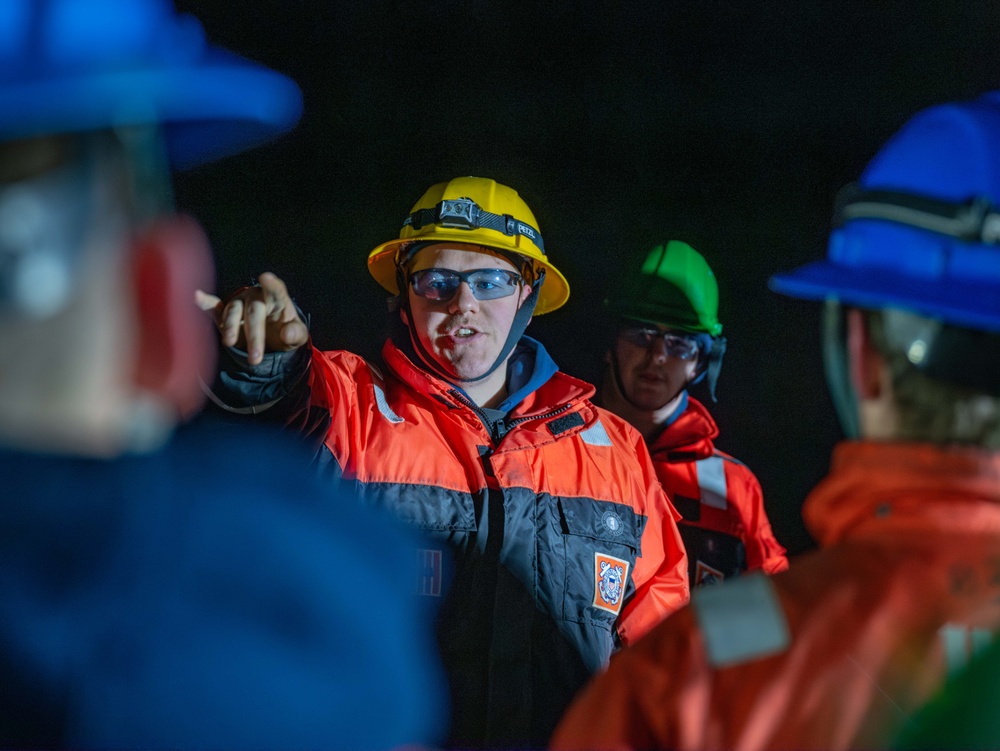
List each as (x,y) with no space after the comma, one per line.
(674,287)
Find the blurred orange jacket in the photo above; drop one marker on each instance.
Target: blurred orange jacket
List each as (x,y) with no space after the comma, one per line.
(839,650)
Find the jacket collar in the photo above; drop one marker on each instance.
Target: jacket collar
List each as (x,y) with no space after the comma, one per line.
(690,432)
(535,383)
(880,485)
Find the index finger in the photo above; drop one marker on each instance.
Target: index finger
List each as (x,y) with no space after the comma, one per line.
(279,305)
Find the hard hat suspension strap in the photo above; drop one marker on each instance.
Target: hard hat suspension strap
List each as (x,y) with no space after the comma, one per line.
(975,221)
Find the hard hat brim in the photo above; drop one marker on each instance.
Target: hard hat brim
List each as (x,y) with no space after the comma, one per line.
(213,106)
(962,302)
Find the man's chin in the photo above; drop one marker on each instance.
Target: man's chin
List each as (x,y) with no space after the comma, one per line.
(464,370)
(649,399)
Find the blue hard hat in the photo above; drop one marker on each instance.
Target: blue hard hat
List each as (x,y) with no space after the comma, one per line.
(70,66)
(921,229)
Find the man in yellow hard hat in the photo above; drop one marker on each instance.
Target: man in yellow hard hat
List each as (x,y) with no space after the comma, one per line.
(564,544)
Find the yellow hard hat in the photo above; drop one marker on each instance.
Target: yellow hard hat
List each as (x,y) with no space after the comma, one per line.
(478,211)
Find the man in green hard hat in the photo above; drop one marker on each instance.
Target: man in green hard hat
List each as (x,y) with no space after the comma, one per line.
(669,338)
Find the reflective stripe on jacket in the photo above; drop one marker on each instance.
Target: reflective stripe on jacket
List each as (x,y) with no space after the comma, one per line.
(563,540)
(724,526)
(838,651)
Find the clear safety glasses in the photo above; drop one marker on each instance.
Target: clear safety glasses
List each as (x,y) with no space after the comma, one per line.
(676,344)
(486,284)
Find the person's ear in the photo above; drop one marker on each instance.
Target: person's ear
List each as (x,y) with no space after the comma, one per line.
(171,259)
(865,362)
(404,317)
(526,291)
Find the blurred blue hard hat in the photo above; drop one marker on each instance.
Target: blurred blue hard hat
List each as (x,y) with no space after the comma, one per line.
(69,66)
(921,229)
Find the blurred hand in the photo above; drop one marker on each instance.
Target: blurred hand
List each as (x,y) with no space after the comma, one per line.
(257,319)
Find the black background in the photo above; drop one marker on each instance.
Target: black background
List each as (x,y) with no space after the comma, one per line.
(727,124)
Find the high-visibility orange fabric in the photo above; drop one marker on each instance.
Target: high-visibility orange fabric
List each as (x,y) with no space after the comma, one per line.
(908,582)
(724,526)
(437,445)
(536,519)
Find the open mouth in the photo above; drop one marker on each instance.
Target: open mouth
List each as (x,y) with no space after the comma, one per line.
(459,335)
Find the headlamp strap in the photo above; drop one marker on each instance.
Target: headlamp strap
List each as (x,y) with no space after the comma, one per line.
(464,213)
(976,220)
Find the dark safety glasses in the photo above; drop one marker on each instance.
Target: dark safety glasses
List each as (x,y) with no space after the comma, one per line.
(681,346)
(486,284)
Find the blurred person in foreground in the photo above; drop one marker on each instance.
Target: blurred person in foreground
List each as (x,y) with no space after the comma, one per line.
(146,601)
(668,338)
(841,649)
(564,543)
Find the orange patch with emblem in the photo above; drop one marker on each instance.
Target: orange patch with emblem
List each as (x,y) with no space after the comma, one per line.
(610,578)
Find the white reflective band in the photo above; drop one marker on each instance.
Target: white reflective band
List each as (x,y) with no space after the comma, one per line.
(383,406)
(956,652)
(740,619)
(960,643)
(712,481)
(595,435)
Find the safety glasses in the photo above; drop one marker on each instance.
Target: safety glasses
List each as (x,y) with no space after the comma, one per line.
(676,344)
(486,284)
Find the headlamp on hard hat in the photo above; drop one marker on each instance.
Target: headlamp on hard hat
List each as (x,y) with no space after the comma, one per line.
(464,213)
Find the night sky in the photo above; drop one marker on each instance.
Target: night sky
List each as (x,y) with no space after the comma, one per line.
(728,125)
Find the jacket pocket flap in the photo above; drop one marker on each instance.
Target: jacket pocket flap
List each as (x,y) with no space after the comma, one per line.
(601,520)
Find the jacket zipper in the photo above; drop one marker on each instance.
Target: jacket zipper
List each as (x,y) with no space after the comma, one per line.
(502,427)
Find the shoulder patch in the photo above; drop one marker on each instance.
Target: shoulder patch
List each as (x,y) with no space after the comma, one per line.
(383,406)
(596,435)
(564,423)
(740,620)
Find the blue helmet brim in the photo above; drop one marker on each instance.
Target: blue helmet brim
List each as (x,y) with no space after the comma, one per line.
(209,107)
(963,302)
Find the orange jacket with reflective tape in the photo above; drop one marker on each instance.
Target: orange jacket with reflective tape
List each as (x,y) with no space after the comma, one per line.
(561,538)
(839,650)
(724,525)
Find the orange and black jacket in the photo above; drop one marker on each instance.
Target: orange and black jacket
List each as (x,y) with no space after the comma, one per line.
(561,540)
(724,526)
